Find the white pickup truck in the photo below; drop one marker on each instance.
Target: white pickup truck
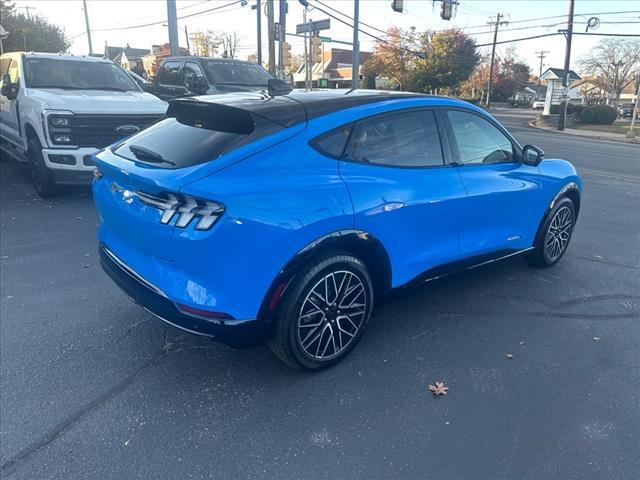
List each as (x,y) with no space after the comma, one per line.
(56,111)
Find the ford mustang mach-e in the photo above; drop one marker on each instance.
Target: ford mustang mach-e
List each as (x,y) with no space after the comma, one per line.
(251,217)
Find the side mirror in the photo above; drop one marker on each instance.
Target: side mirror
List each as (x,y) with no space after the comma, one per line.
(532,155)
(9,90)
(277,87)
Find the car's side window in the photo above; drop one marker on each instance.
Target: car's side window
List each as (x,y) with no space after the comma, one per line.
(406,139)
(169,74)
(479,141)
(191,72)
(333,143)
(13,72)
(4,66)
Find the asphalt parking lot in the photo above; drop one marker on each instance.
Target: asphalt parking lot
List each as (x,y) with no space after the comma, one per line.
(94,387)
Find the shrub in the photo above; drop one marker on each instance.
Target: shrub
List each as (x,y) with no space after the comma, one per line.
(475,101)
(600,114)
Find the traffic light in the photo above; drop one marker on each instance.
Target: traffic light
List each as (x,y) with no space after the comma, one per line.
(396,5)
(316,49)
(286,54)
(446,10)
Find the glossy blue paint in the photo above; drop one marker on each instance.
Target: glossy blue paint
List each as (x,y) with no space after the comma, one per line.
(280,195)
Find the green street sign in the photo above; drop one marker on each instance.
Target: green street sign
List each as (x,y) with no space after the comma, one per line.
(323,83)
(325,39)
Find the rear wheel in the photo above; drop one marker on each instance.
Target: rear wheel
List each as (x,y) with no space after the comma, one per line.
(324,313)
(41,176)
(555,235)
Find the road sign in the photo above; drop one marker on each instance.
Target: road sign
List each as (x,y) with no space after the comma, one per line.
(325,39)
(313,26)
(323,83)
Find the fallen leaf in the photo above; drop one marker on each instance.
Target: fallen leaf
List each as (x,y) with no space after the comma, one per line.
(521,343)
(509,356)
(439,388)
(595,339)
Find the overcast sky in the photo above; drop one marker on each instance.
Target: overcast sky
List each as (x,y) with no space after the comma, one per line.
(472,16)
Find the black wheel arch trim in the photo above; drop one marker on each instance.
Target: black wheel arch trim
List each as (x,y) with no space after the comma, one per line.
(359,243)
(570,191)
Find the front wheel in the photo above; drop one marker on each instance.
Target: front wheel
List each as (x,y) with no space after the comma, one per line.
(324,313)
(553,239)
(41,176)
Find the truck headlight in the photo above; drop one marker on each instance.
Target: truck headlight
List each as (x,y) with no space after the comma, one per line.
(59,121)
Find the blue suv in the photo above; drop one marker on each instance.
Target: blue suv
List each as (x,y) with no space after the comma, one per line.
(250,217)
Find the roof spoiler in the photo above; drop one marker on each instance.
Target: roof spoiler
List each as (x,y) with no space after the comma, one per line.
(212,116)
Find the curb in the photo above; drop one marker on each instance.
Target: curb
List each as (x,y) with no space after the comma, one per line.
(532,123)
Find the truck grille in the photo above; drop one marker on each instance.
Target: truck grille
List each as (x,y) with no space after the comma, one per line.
(102,130)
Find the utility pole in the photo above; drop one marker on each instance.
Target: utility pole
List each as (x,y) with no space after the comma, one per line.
(497,23)
(172,22)
(541,55)
(271,37)
(186,35)
(282,29)
(355,59)
(565,75)
(86,21)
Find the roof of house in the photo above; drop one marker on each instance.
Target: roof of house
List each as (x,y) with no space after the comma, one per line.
(557,73)
(114,52)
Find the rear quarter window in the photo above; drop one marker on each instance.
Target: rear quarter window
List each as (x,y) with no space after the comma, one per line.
(333,143)
(180,145)
(169,73)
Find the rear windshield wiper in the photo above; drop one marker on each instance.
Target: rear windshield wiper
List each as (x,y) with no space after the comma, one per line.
(142,153)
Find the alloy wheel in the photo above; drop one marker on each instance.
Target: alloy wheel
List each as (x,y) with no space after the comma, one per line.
(331,315)
(559,233)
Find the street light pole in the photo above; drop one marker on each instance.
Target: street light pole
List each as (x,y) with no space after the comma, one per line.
(86,21)
(565,75)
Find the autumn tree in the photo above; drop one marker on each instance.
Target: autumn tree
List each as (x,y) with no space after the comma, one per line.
(393,58)
(204,43)
(30,33)
(616,60)
(447,58)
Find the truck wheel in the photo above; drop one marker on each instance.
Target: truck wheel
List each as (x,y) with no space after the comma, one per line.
(41,176)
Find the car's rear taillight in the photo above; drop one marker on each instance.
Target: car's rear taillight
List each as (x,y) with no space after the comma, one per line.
(187,208)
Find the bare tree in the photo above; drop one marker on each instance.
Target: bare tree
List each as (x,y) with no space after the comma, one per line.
(229,43)
(616,61)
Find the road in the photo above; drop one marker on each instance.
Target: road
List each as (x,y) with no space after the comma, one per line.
(94,387)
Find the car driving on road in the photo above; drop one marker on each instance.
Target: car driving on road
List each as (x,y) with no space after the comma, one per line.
(249,217)
(58,110)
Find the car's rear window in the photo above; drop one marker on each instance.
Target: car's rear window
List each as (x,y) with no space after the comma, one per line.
(171,144)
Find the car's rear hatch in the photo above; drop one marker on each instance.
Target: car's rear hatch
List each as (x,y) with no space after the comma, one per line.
(196,139)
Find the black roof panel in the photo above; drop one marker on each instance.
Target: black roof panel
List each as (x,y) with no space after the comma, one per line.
(299,106)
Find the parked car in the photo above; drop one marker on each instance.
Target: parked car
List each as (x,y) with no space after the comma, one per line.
(188,76)
(58,110)
(538,104)
(247,217)
(626,110)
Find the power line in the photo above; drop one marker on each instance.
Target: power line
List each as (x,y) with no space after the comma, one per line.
(160,22)
(560,16)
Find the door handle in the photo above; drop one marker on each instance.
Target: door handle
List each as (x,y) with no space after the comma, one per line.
(389,207)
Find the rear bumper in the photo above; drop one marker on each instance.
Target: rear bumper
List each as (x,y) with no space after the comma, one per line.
(236,333)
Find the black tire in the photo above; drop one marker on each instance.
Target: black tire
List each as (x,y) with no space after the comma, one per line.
(41,176)
(553,238)
(295,326)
